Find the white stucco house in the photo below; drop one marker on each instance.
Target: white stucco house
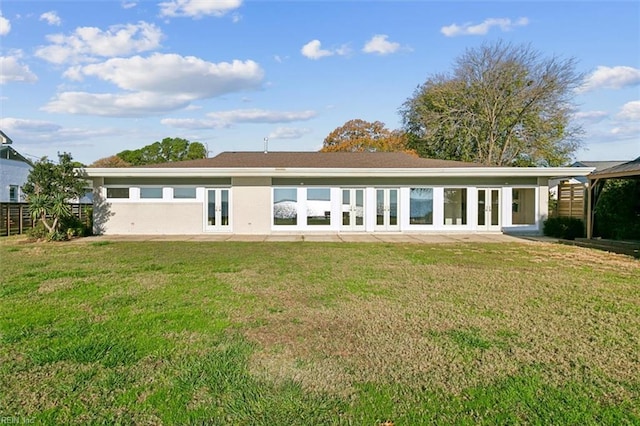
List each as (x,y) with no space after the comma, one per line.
(14,169)
(304,192)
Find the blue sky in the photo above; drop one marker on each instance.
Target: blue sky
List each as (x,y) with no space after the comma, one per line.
(96,77)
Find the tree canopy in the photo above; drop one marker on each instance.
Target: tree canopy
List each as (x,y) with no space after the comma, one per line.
(359,135)
(50,187)
(111,161)
(168,150)
(502,104)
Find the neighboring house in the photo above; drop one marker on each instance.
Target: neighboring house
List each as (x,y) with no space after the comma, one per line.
(301,192)
(570,192)
(14,169)
(576,180)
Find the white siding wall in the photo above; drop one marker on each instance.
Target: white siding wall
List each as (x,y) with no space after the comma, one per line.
(12,172)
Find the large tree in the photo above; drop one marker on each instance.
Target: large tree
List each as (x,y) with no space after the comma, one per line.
(359,136)
(502,104)
(169,149)
(49,189)
(111,161)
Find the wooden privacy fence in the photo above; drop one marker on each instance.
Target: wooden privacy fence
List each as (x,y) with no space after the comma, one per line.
(571,200)
(15,218)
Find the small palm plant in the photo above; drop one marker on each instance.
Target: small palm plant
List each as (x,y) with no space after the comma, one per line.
(49,189)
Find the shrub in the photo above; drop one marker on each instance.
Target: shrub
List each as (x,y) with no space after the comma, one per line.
(73,227)
(38,232)
(617,212)
(568,228)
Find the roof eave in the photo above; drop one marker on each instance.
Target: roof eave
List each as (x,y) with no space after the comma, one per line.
(613,175)
(339,172)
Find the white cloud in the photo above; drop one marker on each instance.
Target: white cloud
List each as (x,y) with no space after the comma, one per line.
(159,83)
(129,4)
(22,125)
(380,45)
(505,24)
(174,74)
(591,116)
(114,105)
(5,25)
(86,44)
(51,17)
(260,116)
(288,133)
(198,8)
(14,70)
(222,119)
(628,131)
(611,78)
(630,111)
(46,133)
(312,50)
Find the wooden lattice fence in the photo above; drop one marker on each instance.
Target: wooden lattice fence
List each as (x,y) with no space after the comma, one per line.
(571,200)
(15,218)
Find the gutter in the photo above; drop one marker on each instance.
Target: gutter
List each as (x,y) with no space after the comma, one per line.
(549,172)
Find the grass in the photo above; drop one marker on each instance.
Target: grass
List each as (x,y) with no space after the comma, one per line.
(318,333)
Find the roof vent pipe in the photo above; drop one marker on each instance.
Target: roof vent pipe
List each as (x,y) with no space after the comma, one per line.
(266,145)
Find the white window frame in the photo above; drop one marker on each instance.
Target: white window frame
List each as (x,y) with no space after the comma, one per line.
(15,199)
(507,213)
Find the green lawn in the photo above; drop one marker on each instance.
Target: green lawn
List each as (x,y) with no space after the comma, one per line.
(315,333)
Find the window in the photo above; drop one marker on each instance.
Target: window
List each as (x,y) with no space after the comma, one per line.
(318,206)
(285,206)
(117,192)
(13,194)
(155,192)
(421,206)
(455,206)
(184,193)
(523,207)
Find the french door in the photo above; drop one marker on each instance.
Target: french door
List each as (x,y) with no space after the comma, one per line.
(217,218)
(352,209)
(489,209)
(387,209)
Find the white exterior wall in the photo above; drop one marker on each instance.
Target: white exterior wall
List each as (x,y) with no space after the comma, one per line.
(12,172)
(155,218)
(251,208)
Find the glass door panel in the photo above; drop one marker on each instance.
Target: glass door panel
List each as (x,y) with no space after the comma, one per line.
(224,207)
(359,207)
(393,207)
(211,207)
(482,207)
(380,208)
(495,207)
(353,209)
(346,207)
(387,209)
(489,209)
(218,210)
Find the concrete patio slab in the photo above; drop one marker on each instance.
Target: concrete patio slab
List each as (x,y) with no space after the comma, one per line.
(322,238)
(284,238)
(415,238)
(359,238)
(247,238)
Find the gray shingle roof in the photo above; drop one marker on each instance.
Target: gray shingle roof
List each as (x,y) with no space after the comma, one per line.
(628,169)
(330,160)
